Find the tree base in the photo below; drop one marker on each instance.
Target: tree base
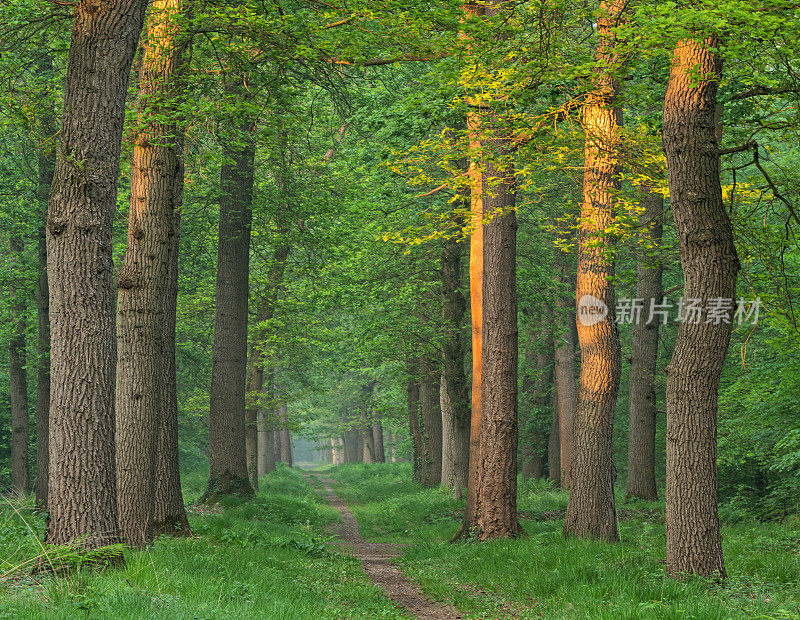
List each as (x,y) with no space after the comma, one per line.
(226,485)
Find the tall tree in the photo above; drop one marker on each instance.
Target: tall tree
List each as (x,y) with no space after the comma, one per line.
(46,168)
(228,474)
(156,190)
(644,354)
(18,376)
(169,512)
(591,511)
(431,422)
(82,482)
(566,401)
(454,386)
(710,266)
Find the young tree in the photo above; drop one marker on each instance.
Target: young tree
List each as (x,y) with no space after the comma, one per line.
(710,266)
(82,482)
(591,511)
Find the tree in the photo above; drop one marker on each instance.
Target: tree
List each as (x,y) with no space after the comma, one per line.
(18,375)
(144,278)
(454,386)
(82,485)
(644,354)
(591,511)
(228,474)
(710,266)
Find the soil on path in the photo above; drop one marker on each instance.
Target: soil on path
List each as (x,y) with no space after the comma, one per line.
(376,560)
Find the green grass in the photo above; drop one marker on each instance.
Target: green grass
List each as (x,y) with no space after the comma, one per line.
(546,576)
(262,559)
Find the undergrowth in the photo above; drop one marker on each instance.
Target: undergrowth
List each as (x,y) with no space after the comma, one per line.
(543,575)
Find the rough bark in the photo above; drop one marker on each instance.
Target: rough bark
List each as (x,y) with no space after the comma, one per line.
(591,512)
(143,277)
(82,481)
(337,455)
(644,355)
(454,385)
(431,423)
(228,474)
(18,378)
(564,371)
(169,512)
(46,165)
(496,493)
(710,266)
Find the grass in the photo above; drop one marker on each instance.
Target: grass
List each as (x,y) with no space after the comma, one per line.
(262,559)
(546,576)
(267,558)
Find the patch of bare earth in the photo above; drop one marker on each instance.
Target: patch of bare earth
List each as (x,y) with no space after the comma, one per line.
(376,558)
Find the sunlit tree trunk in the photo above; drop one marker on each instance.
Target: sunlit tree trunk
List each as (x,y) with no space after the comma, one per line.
(156,191)
(82,502)
(710,267)
(644,354)
(591,512)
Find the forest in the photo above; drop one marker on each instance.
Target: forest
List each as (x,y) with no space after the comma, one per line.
(399,309)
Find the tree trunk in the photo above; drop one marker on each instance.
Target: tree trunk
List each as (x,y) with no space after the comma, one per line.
(264,423)
(431,427)
(564,372)
(83,200)
(143,277)
(255,370)
(710,266)
(285,436)
(350,437)
(18,378)
(377,434)
(554,444)
(47,162)
(537,390)
(454,385)
(365,414)
(337,452)
(591,512)
(169,512)
(644,355)
(229,364)
(496,493)
(414,421)
(476,183)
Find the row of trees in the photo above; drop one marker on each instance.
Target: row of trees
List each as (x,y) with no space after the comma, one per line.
(501,105)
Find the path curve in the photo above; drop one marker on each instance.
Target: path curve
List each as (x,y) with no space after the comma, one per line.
(376,560)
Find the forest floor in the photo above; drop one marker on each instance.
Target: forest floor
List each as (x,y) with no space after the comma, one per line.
(275,557)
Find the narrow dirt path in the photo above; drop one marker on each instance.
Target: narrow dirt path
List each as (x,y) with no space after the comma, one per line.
(376,560)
